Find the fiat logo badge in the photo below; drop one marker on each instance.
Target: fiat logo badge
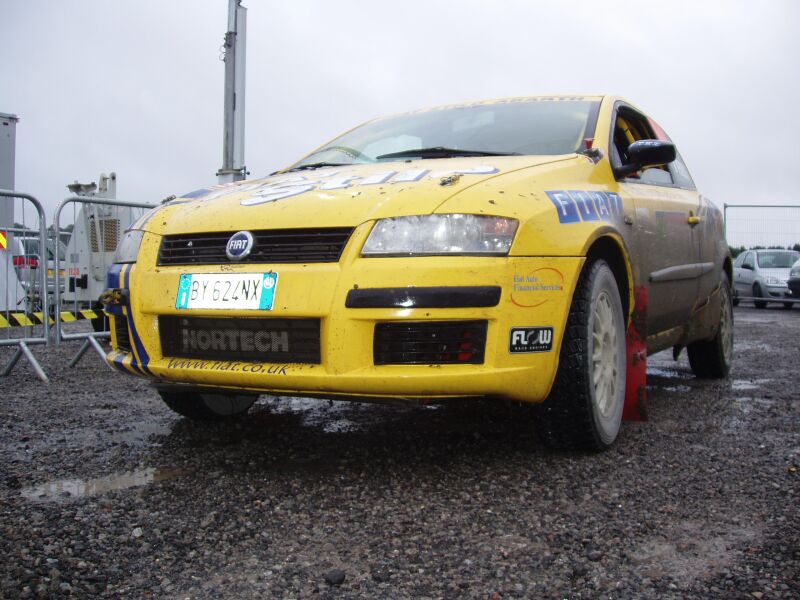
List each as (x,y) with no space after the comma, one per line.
(239,245)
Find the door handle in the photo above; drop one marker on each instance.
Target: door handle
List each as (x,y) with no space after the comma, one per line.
(692,220)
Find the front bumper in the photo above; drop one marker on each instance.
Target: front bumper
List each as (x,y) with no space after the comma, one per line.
(350,301)
(779,291)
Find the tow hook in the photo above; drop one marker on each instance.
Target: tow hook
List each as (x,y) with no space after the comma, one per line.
(115,296)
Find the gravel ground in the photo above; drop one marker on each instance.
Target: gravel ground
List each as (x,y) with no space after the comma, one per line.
(105,493)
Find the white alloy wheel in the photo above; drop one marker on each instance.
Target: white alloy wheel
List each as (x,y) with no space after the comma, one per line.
(712,358)
(726,326)
(605,375)
(606,349)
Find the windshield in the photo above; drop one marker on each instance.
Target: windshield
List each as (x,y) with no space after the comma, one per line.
(523,126)
(30,245)
(780,259)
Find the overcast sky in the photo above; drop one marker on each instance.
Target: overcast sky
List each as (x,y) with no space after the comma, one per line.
(137,86)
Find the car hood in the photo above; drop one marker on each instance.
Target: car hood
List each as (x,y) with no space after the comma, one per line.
(335,196)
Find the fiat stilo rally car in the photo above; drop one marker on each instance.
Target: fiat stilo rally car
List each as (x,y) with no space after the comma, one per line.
(530,249)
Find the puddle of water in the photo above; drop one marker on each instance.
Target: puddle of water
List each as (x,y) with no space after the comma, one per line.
(318,413)
(683,389)
(339,426)
(79,488)
(308,407)
(333,416)
(748,384)
(140,433)
(669,373)
(746,404)
(751,346)
(137,434)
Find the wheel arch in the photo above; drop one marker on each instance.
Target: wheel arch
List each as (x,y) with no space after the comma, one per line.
(727,266)
(611,248)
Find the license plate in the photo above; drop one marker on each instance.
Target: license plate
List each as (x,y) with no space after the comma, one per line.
(237,291)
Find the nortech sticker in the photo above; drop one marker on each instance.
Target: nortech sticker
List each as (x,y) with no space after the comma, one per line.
(576,206)
(524,340)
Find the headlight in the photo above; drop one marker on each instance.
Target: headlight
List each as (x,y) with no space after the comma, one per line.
(441,234)
(128,247)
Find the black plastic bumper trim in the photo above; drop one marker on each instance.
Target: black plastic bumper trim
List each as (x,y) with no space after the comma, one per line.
(424,297)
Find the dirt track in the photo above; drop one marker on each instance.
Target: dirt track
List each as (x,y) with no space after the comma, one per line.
(104,492)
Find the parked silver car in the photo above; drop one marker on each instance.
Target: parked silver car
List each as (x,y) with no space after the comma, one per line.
(763,274)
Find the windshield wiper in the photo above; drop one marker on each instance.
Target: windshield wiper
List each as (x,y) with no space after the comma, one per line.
(316,165)
(442,152)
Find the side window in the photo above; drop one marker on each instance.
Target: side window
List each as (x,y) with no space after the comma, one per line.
(630,127)
(677,168)
(748,260)
(739,260)
(681,174)
(656,176)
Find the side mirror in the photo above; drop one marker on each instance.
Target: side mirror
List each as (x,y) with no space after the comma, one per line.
(647,153)
(747,266)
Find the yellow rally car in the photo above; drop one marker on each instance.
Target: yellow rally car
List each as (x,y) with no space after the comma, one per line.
(533,249)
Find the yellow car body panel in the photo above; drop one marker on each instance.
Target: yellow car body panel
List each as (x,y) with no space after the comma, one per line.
(536,279)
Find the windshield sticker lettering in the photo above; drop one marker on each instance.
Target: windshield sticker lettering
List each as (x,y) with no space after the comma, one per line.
(576,206)
(520,100)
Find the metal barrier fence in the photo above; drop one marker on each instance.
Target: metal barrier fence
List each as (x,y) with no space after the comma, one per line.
(97,229)
(31,293)
(749,226)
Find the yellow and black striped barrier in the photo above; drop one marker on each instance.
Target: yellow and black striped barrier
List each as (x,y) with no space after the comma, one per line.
(21,319)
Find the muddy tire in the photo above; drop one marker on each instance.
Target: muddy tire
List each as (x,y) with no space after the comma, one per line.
(207,407)
(584,409)
(757,293)
(711,359)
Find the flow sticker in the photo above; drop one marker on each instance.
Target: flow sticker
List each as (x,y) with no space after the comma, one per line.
(523,340)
